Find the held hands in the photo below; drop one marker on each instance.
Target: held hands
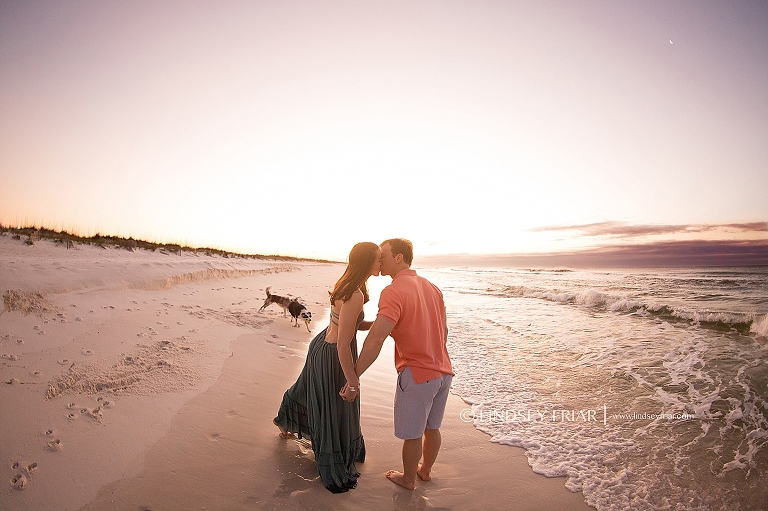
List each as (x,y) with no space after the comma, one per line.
(349,393)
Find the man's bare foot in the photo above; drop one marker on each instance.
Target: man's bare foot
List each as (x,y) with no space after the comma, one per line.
(397,478)
(424,475)
(283,433)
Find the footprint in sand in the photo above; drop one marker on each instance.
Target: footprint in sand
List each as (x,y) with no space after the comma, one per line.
(16,465)
(53,446)
(86,352)
(78,318)
(64,361)
(72,406)
(19,482)
(105,402)
(35,373)
(19,341)
(48,432)
(71,416)
(41,332)
(10,357)
(214,437)
(93,413)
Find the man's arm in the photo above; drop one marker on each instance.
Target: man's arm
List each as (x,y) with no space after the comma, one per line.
(365,325)
(373,342)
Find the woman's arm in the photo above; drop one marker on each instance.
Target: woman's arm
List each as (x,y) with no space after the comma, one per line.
(348,314)
(365,325)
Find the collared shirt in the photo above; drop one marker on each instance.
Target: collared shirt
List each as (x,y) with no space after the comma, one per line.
(416,308)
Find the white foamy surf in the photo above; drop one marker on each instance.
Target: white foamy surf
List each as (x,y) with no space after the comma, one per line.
(645,388)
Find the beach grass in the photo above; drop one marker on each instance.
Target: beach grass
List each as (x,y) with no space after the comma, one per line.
(29,234)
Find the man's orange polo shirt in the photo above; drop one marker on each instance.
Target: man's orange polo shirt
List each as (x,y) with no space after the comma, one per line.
(417,309)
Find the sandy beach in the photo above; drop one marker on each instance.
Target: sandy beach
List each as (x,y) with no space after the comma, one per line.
(148,380)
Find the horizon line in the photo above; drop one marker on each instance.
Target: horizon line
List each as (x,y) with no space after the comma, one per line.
(657,254)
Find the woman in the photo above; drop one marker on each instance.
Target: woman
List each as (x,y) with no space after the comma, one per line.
(321,404)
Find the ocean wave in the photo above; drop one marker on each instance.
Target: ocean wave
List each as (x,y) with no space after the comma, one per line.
(760,327)
(548,270)
(718,320)
(621,344)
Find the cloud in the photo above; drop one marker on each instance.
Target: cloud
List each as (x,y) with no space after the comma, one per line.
(624,230)
(659,254)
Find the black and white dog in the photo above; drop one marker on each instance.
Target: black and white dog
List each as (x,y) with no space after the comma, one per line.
(291,305)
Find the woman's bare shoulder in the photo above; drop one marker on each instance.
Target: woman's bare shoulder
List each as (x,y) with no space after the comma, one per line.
(355,301)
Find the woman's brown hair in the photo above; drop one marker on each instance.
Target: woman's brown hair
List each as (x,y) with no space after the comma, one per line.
(361,259)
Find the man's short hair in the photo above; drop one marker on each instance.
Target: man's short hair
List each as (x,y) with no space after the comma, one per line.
(400,246)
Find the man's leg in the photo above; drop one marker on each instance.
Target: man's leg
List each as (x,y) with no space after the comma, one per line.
(411,456)
(424,401)
(432,437)
(432,441)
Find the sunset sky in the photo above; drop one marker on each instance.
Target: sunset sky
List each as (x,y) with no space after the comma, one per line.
(299,128)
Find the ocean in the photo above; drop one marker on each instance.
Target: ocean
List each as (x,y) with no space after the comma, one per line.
(645,388)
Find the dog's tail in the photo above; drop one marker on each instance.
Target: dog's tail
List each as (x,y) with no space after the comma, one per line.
(270,287)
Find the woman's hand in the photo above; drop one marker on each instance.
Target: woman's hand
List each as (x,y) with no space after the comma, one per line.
(349,393)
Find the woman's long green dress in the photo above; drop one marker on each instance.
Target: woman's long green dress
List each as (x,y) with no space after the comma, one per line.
(312,408)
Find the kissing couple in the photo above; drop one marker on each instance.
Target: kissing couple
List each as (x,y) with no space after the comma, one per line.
(324,406)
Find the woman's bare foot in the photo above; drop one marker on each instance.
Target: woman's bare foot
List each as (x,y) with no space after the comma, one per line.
(424,475)
(397,478)
(283,433)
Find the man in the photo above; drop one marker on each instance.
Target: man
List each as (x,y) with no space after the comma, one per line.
(412,311)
